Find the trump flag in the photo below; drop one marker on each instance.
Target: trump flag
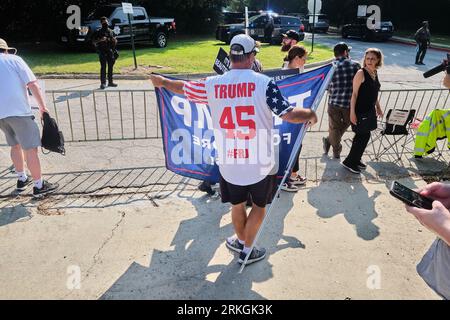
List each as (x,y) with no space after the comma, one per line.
(188,138)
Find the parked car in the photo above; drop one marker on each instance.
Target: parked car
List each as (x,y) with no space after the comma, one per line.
(257,26)
(359,29)
(322,23)
(146,29)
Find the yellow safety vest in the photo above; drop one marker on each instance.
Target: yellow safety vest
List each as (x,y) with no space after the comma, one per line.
(434,127)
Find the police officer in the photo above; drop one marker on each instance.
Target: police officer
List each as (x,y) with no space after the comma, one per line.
(105,43)
(268,29)
(422,38)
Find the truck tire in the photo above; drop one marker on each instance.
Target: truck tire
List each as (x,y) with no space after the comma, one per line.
(365,37)
(160,40)
(232,36)
(344,34)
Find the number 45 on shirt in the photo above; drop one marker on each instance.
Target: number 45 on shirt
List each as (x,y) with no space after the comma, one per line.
(227,122)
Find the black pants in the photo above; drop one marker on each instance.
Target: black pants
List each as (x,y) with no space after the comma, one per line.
(421,51)
(296,166)
(106,58)
(359,145)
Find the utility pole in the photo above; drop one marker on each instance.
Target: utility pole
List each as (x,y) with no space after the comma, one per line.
(314,26)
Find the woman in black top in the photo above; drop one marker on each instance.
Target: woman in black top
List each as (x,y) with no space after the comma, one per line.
(364,108)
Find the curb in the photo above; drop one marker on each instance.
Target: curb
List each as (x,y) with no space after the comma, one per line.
(334,30)
(92,76)
(413,43)
(89,76)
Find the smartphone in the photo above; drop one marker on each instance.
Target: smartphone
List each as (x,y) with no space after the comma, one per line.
(410,197)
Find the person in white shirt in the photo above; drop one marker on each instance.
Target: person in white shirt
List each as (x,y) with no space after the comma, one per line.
(17,121)
(242,104)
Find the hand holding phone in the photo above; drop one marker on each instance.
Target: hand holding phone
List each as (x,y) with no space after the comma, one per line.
(410,197)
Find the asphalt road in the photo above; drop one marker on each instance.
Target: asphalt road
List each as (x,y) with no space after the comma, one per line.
(399,70)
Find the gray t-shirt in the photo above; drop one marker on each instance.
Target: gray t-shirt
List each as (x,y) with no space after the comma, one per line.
(435,268)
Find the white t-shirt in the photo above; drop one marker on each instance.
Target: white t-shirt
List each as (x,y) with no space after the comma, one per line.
(15,75)
(242,103)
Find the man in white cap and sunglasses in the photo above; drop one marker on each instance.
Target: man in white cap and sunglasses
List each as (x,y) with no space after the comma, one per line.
(242,104)
(17,121)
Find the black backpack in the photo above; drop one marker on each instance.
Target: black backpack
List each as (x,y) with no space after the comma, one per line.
(52,138)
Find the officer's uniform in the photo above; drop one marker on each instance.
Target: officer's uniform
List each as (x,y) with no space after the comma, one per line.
(105,52)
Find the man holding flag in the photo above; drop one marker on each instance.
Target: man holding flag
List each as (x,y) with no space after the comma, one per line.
(242,102)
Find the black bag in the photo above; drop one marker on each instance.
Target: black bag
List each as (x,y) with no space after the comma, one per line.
(52,138)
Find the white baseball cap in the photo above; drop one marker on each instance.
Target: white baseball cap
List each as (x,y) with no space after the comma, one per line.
(242,44)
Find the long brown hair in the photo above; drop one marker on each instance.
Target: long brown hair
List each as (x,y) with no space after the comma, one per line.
(295,51)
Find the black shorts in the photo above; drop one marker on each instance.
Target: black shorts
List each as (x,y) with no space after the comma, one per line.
(261,192)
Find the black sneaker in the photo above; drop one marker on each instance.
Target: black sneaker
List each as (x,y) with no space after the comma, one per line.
(362,166)
(102,86)
(298,180)
(47,187)
(255,255)
(353,169)
(326,145)
(112,84)
(234,245)
(205,186)
(22,185)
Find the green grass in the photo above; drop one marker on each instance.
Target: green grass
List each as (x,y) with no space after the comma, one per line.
(435,38)
(180,56)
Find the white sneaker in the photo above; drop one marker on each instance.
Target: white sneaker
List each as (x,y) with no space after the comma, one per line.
(289,187)
(298,180)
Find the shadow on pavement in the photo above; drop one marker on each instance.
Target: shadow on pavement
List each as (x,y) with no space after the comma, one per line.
(350,198)
(186,271)
(14,214)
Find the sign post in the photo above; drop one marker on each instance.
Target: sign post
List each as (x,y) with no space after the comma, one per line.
(314,7)
(128,10)
(246,20)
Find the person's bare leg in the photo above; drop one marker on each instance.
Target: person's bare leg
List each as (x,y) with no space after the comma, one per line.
(239,219)
(17,158)
(33,163)
(254,221)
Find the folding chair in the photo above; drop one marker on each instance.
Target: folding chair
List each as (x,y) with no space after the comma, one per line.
(396,129)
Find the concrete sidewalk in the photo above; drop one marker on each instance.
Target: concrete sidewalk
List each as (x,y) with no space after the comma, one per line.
(132,230)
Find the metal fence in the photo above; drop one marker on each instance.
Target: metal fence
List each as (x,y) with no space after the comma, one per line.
(94,115)
(421,100)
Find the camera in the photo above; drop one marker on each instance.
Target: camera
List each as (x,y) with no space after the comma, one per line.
(443,66)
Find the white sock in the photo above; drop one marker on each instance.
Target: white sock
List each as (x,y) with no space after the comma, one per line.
(22,176)
(231,239)
(246,250)
(38,183)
